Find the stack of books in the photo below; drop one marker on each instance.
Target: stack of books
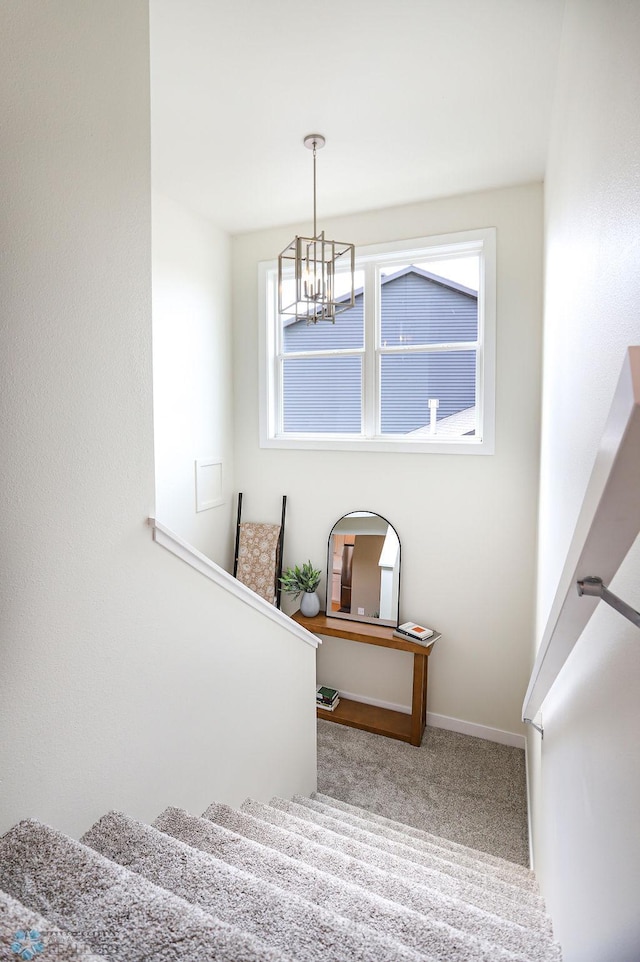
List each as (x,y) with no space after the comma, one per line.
(327,698)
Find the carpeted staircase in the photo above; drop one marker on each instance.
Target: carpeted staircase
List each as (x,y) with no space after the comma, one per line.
(310,880)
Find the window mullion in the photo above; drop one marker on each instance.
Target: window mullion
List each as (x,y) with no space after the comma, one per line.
(279,411)
(370,392)
(430,348)
(311,355)
(275,373)
(480,359)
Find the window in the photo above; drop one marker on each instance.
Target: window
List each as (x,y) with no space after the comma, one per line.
(409,368)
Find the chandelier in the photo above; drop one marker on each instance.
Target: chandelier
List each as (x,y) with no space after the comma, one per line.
(307,269)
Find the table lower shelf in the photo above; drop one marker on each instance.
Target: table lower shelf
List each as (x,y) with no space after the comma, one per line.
(370,718)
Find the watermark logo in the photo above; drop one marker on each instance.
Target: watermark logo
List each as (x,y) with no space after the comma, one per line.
(27,944)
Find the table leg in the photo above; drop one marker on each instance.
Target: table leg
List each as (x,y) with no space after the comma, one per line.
(419,699)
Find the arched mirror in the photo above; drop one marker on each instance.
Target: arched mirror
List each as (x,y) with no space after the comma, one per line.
(363,569)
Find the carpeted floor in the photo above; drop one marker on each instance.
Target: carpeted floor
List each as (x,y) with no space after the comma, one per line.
(462,788)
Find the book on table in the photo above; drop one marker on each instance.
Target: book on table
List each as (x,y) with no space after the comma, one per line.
(326,707)
(325,694)
(321,703)
(411,631)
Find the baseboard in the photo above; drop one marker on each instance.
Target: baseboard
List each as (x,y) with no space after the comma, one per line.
(477,731)
(405,709)
(450,724)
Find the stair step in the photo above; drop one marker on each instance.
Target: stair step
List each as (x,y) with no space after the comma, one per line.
(310,880)
(403,849)
(416,832)
(116,912)
(509,872)
(348,899)
(419,833)
(481,896)
(16,918)
(299,928)
(444,942)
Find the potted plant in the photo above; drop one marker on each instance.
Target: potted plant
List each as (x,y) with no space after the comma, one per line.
(303,581)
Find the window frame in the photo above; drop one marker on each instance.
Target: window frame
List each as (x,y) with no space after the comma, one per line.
(372,259)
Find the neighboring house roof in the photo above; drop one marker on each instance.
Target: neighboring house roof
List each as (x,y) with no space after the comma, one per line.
(387,278)
(443,281)
(454,426)
(419,272)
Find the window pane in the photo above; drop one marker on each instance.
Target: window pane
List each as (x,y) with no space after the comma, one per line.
(322,395)
(421,307)
(409,381)
(346,333)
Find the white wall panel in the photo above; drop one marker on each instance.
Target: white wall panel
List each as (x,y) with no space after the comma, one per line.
(586,772)
(192,394)
(127,680)
(467,524)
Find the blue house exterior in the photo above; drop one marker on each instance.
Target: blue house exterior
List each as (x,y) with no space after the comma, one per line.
(323,394)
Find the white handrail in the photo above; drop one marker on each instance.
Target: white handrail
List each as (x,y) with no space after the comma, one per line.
(182,549)
(607,526)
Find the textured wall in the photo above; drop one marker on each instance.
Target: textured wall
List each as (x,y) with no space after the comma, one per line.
(586,772)
(192,373)
(125,676)
(467,524)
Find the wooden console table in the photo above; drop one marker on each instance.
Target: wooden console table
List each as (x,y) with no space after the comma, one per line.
(371,718)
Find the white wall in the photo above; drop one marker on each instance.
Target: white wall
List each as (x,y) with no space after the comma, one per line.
(586,772)
(124,674)
(466,523)
(192,393)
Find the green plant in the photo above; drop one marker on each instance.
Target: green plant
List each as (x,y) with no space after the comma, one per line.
(297,580)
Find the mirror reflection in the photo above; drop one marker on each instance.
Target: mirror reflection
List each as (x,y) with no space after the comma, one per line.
(363,569)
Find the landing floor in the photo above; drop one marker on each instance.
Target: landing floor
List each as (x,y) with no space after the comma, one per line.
(467,789)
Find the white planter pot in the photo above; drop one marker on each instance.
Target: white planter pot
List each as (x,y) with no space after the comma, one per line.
(309,604)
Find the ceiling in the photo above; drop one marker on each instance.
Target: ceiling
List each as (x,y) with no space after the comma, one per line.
(417,99)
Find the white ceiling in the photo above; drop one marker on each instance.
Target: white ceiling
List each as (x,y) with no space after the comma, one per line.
(417,99)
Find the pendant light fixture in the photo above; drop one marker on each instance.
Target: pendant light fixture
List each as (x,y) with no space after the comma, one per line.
(308,266)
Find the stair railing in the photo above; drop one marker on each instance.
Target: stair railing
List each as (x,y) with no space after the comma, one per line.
(607,526)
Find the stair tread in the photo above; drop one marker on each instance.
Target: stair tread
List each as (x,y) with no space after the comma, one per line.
(459,868)
(402,892)
(310,880)
(347,898)
(116,912)
(59,945)
(508,871)
(482,897)
(418,833)
(286,921)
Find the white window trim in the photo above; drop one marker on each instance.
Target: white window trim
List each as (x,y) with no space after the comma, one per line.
(438,246)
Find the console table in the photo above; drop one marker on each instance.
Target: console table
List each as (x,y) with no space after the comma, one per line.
(371,718)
